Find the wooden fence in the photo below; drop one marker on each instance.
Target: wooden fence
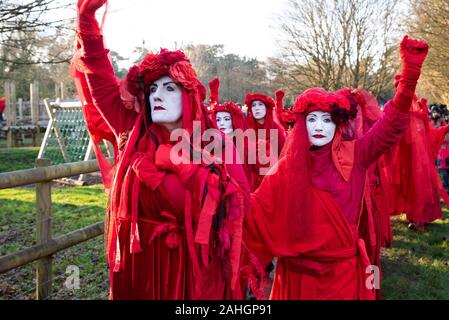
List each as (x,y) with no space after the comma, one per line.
(46,246)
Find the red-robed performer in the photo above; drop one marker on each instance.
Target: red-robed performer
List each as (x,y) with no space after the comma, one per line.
(261,118)
(415,185)
(172,231)
(377,218)
(316,190)
(2,109)
(229,118)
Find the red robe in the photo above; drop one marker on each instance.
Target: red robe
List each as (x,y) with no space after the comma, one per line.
(415,186)
(168,236)
(321,254)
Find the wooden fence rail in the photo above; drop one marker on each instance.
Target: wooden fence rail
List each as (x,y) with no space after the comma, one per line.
(46,246)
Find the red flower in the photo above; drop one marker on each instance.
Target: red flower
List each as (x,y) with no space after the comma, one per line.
(183,73)
(152,69)
(169,63)
(338,99)
(170,57)
(132,79)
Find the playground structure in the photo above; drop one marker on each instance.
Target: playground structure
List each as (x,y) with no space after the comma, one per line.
(66,138)
(23,118)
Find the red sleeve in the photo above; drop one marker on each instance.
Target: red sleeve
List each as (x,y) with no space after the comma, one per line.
(383,135)
(103,85)
(258,230)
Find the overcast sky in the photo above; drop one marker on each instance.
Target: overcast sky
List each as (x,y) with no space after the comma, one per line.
(245,27)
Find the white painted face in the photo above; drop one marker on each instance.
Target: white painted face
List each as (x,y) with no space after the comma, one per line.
(320,128)
(165,101)
(224,122)
(258,109)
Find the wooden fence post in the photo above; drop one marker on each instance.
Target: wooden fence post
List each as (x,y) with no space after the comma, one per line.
(10,92)
(34,105)
(43,234)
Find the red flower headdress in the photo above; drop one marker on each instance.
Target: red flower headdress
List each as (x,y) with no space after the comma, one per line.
(174,64)
(238,118)
(318,99)
(268,101)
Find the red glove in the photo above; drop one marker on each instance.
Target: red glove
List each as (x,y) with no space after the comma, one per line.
(146,170)
(413,54)
(279,96)
(87,23)
(214,87)
(163,161)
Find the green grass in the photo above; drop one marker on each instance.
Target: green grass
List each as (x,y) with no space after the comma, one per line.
(72,208)
(416,267)
(12,159)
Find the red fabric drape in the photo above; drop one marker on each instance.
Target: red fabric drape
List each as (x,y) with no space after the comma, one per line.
(168,236)
(414,182)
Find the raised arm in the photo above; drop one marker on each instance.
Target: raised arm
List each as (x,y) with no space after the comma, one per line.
(95,63)
(390,128)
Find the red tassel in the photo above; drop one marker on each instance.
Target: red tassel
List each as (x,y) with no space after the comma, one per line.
(135,239)
(135,236)
(118,257)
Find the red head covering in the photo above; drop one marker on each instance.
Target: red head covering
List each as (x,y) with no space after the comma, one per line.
(237,116)
(2,104)
(251,97)
(318,99)
(175,65)
(269,117)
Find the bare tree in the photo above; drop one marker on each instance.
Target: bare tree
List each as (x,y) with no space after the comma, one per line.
(430,22)
(28,16)
(338,43)
(238,75)
(36,43)
(27,25)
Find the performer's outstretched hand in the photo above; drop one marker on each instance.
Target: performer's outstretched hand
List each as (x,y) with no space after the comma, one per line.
(279,94)
(87,23)
(413,52)
(163,161)
(89,7)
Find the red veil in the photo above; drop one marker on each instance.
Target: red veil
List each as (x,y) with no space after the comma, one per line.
(414,182)
(309,231)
